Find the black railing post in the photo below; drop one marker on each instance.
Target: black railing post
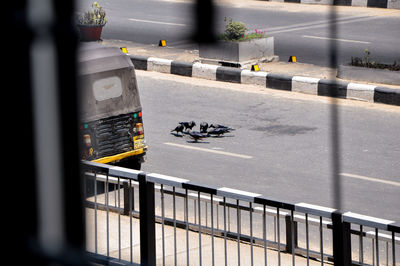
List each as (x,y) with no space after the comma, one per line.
(128,198)
(291,237)
(341,240)
(147,222)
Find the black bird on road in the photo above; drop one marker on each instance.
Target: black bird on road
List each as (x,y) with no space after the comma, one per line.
(196,135)
(178,129)
(221,126)
(203,127)
(218,131)
(188,125)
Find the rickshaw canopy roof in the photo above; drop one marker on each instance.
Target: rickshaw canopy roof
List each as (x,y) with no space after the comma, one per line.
(96,58)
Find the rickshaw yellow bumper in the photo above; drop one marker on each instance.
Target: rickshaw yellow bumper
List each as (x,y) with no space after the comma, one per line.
(120,156)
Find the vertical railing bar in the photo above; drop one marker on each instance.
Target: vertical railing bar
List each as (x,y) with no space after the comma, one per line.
(199,206)
(373,251)
(195,210)
(212,230)
(133,198)
(361,246)
(174,217)
(387,253)
(307,242)
(85,196)
(119,218)
(265,235)
(217,205)
(115,196)
(206,214)
(393,248)
(130,220)
(251,233)
(275,229)
(377,246)
(95,213)
(292,237)
(229,219)
(279,235)
(321,235)
(187,226)
(238,229)
(225,247)
(162,224)
(107,208)
(105,189)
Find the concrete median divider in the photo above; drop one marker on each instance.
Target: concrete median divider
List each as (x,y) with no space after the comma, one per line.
(308,85)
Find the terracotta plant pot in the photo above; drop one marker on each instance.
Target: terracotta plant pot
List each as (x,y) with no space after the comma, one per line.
(90,33)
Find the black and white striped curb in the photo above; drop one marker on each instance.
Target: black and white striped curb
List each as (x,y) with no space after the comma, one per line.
(314,86)
(395,4)
(113,172)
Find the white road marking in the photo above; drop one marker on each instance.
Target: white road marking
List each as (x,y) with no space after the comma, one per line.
(335,39)
(157,22)
(372,179)
(209,150)
(296,27)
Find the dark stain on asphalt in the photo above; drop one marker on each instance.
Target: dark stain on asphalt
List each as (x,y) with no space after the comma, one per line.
(288,130)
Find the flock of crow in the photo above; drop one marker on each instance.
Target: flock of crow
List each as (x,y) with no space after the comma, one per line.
(206,130)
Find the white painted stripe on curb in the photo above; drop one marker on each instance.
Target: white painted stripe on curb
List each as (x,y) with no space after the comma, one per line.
(159,65)
(393,4)
(372,179)
(360,92)
(360,87)
(305,85)
(209,150)
(362,3)
(254,77)
(204,71)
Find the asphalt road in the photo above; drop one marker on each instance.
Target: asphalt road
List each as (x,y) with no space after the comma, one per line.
(301,30)
(281,145)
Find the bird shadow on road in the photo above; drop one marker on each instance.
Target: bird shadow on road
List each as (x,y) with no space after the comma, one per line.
(220,137)
(199,142)
(177,135)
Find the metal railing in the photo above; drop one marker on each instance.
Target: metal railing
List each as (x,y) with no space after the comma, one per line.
(197,224)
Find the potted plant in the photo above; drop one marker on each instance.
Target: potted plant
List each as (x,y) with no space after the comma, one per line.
(91,23)
(239,46)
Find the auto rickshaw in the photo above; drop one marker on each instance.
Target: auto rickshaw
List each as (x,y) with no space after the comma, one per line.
(111,128)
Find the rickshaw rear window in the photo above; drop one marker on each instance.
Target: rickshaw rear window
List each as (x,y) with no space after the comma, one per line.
(107,88)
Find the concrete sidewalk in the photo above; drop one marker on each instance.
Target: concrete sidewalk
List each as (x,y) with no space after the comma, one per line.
(181,259)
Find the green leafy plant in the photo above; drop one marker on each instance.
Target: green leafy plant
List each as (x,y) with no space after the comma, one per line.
(237,31)
(234,30)
(96,16)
